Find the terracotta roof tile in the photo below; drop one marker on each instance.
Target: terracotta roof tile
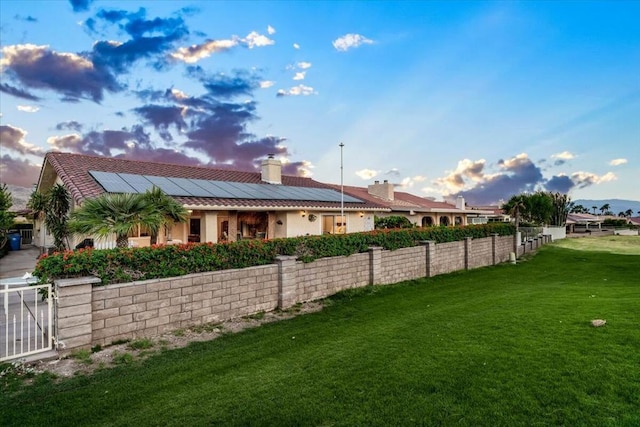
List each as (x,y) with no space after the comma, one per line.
(73,170)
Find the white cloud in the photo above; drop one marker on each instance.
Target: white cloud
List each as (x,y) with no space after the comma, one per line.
(367,174)
(266,84)
(270,29)
(409,181)
(349,41)
(65,141)
(28,108)
(254,39)
(296,46)
(304,65)
(300,90)
(300,75)
(585,179)
(178,94)
(617,162)
(565,155)
(196,52)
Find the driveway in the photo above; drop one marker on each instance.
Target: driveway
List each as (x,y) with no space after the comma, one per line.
(17,263)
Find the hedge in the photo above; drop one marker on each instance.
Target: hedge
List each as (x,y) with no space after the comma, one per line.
(128,264)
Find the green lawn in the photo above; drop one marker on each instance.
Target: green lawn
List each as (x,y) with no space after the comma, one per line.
(506,345)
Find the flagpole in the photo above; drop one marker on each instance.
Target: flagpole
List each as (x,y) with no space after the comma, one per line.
(342,218)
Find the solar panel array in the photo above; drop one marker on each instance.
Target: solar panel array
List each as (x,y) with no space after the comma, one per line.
(131,183)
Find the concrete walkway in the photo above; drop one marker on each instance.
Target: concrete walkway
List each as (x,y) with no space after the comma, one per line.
(17,263)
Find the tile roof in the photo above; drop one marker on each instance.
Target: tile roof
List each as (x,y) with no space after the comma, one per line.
(402,201)
(73,170)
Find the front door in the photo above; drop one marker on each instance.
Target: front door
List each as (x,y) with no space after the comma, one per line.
(194,230)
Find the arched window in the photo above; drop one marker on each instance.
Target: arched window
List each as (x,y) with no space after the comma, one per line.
(458,220)
(444,220)
(427,221)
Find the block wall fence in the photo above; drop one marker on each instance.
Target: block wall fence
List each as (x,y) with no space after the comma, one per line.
(87,315)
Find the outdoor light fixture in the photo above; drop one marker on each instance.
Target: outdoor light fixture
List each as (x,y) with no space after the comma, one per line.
(303,213)
(361,214)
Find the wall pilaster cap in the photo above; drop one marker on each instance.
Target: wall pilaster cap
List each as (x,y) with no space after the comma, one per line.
(76,281)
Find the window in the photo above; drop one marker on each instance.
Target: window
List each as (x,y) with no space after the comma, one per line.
(444,220)
(427,221)
(334,224)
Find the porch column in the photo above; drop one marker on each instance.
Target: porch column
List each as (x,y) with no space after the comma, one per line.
(271,225)
(210,227)
(233,226)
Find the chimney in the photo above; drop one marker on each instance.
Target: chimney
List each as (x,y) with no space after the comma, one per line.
(460,204)
(271,170)
(383,191)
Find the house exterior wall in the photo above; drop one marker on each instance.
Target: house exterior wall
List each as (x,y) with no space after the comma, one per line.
(149,308)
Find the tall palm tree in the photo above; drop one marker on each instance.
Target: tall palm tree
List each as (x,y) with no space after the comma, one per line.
(604,208)
(170,210)
(594,209)
(118,214)
(53,206)
(628,212)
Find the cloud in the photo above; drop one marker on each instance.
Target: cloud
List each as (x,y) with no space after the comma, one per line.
(72,75)
(304,65)
(70,125)
(349,41)
(565,155)
(28,108)
(230,85)
(20,172)
(300,75)
(617,162)
(18,93)
(296,46)
(253,39)
(367,174)
(163,117)
(271,30)
(194,53)
(300,90)
(13,139)
(560,183)
(80,5)
(409,181)
(266,84)
(585,179)
(27,18)
(393,172)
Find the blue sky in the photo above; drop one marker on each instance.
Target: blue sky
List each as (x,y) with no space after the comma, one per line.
(482,99)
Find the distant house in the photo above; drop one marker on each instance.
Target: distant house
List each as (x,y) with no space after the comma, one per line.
(577,223)
(223,205)
(420,211)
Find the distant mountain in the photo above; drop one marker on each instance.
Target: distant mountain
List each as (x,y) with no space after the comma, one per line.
(615,205)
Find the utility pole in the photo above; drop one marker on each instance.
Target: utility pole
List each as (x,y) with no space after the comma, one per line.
(342,218)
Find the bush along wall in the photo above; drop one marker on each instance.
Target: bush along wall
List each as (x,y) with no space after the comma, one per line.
(128,264)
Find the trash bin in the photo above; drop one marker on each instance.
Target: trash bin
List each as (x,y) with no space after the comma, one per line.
(14,241)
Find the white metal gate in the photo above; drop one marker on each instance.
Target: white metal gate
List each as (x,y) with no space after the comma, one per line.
(26,325)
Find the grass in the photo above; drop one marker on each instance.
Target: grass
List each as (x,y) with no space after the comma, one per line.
(628,245)
(506,345)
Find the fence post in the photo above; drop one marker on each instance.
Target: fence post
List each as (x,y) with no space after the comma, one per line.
(287,281)
(430,255)
(74,316)
(494,248)
(375,265)
(467,251)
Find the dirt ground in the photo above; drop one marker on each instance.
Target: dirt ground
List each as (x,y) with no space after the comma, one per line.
(87,361)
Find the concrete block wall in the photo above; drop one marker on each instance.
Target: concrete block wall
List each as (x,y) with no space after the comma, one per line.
(403,264)
(152,307)
(326,276)
(449,258)
(88,315)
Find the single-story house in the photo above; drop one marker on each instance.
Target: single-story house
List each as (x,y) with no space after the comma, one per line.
(582,222)
(223,205)
(421,211)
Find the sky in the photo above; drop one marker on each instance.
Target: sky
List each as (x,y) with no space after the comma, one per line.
(475,98)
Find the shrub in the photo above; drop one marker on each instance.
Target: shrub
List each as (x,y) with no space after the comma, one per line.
(158,261)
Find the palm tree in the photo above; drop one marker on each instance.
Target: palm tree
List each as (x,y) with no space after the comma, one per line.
(54,206)
(594,209)
(516,206)
(170,210)
(628,212)
(118,214)
(604,208)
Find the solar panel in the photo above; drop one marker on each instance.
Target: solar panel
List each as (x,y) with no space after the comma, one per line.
(132,183)
(111,182)
(138,182)
(166,185)
(191,187)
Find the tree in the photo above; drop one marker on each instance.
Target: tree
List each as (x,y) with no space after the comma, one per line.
(170,210)
(594,209)
(561,203)
(54,206)
(393,221)
(621,214)
(515,206)
(6,217)
(118,214)
(628,212)
(573,208)
(604,208)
